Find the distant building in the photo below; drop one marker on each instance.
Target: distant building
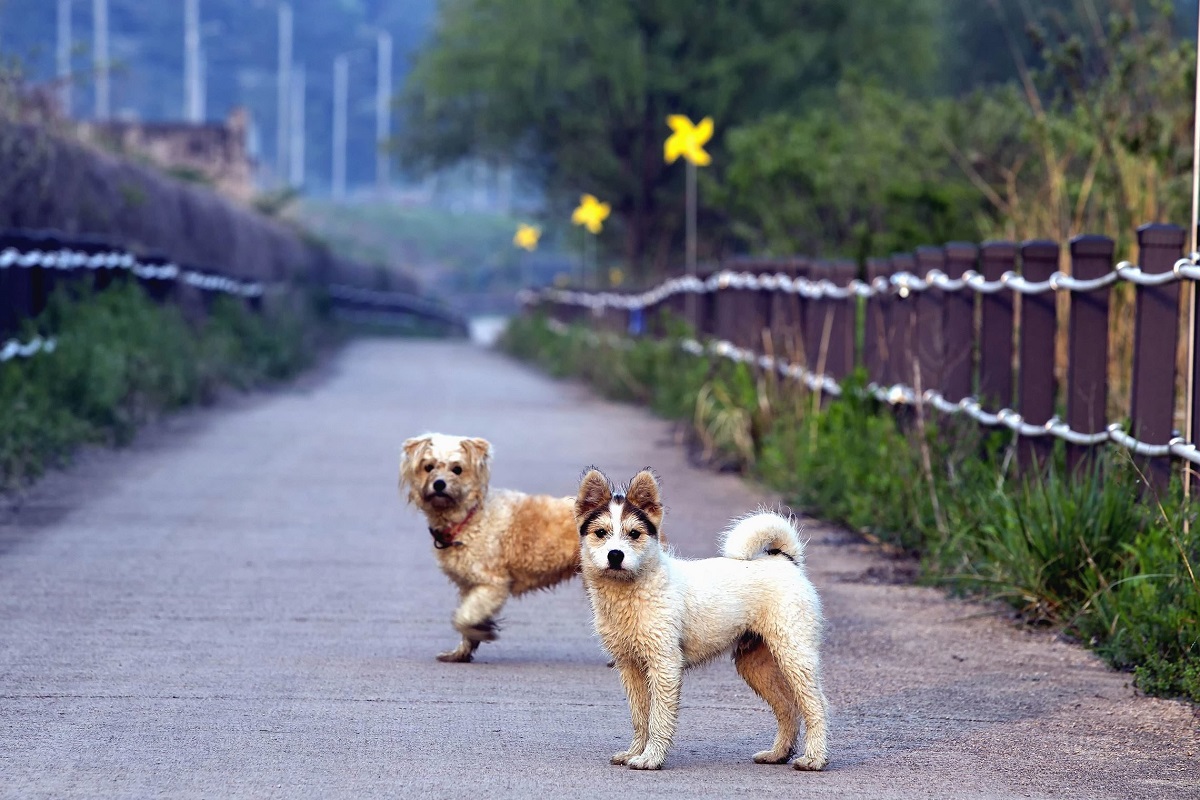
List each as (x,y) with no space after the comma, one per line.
(213,153)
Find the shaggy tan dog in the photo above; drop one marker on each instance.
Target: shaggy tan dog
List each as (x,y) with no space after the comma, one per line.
(658,615)
(492,543)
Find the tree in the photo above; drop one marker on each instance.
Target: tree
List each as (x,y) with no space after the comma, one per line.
(576,93)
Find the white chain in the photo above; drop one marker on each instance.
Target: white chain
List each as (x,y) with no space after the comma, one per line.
(66,259)
(14,349)
(901,283)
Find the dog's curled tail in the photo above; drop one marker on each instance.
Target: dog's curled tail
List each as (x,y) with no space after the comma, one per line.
(763,534)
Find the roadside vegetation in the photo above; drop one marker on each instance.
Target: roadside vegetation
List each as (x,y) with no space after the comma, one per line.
(1093,554)
(121,360)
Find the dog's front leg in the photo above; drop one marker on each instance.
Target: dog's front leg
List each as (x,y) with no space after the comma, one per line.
(637,689)
(475,617)
(664,678)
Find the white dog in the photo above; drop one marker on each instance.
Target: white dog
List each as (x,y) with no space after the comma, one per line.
(658,615)
(493,543)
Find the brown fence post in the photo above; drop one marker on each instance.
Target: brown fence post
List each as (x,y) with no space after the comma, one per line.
(840,361)
(786,317)
(1039,260)
(902,334)
(875,331)
(996,328)
(816,320)
(1087,360)
(960,324)
(765,302)
(931,322)
(1152,405)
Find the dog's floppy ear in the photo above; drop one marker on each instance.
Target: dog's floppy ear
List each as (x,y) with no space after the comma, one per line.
(594,492)
(480,451)
(410,453)
(643,493)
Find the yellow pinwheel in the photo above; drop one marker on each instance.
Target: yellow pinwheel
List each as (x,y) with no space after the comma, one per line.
(591,213)
(688,140)
(527,237)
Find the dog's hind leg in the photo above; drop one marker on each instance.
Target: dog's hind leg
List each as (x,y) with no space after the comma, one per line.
(633,678)
(800,665)
(758,668)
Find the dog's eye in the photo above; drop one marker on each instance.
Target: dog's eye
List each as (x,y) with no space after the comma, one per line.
(635,533)
(429,467)
(600,532)
(456,470)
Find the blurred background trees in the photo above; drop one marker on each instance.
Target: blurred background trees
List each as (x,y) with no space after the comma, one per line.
(848,129)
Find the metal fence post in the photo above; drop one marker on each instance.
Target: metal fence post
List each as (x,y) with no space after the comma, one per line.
(1155,334)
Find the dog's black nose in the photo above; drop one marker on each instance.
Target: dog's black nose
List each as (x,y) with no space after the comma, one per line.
(615,557)
(439,485)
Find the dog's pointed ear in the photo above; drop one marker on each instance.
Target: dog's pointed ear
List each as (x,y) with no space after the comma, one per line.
(594,492)
(643,493)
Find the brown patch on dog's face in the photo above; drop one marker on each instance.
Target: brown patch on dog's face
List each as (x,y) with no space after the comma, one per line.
(445,473)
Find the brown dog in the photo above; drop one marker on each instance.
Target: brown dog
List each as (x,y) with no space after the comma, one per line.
(492,543)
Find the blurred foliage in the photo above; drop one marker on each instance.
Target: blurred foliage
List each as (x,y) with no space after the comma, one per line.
(122,359)
(868,176)
(849,129)
(578,93)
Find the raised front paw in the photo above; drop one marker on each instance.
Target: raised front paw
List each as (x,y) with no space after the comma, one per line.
(487,630)
(646,761)
(813,762)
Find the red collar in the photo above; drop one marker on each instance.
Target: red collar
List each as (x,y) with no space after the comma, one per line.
(445,538)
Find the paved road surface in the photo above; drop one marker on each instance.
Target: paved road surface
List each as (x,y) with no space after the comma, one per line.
(239,606)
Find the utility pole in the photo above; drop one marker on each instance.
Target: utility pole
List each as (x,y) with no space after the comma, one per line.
(296,177)
(100,57)
(192,103)
(341,86)
(383,109)
(282,140)
(64,57)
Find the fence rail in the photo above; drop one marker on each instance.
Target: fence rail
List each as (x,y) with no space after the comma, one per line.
(964,329)
(33,264)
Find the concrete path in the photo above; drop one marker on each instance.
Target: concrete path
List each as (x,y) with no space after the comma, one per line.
(240,606)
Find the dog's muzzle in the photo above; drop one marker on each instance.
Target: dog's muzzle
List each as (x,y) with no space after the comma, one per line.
(440,500)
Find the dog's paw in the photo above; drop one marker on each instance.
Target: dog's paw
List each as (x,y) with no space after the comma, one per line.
(774,756)
(645,761)
(457,656)
(621,757)
(813,763)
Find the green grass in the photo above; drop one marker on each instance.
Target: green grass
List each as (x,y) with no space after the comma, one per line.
(1093,554)
(122,359)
